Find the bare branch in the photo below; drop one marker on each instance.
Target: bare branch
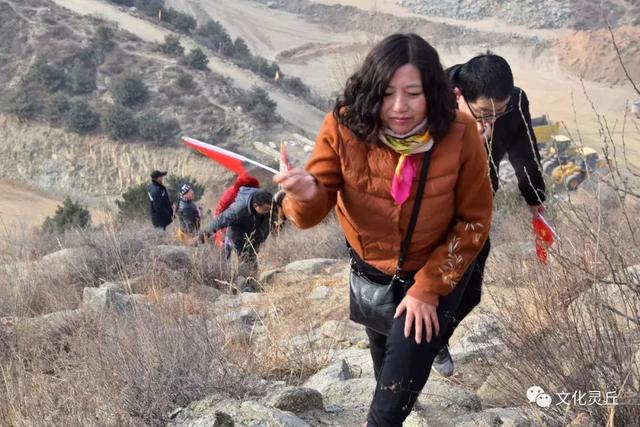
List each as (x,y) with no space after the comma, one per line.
(619,55)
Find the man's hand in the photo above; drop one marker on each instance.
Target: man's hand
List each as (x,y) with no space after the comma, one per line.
(485,129)
(298,184)
(536,209)
(419,314)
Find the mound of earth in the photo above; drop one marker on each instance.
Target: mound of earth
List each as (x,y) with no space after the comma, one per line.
(592,56)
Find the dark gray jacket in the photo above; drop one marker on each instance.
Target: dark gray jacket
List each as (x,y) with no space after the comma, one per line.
(513,136)
(189,216)
(245,227)
(159,205)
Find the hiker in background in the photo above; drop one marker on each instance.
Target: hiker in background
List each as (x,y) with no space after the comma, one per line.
(159,202)
(373,169)
(188,214)
(484,89)
(248,223)
(227,198)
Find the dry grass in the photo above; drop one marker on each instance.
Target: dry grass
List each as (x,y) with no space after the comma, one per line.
(572,326)
(135,368)
(561,334)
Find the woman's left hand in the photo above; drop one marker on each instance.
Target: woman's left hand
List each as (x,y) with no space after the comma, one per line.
(419,314)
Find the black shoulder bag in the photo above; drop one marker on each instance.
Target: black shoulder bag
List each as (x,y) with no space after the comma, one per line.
(373,304)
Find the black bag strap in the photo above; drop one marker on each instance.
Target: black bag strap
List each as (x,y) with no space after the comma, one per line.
(416,210)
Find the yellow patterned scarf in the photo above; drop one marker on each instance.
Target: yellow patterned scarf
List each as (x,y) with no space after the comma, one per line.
(416,141)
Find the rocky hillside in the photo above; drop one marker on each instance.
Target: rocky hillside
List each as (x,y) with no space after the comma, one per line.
(128,329)
(90,106)
(578,14)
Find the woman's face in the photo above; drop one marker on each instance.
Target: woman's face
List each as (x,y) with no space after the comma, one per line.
(404,105)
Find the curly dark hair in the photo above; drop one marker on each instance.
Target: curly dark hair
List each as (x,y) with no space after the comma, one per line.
(358,108)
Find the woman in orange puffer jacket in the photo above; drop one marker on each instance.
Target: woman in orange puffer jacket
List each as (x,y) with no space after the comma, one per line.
(395,110)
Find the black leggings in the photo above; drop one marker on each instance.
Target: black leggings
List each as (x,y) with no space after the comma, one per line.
(402,367)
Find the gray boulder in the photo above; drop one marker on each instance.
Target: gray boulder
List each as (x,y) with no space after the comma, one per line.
(337,371)
(355,393)
(482,338)
(70,256)
(343,331)
(101,299)
(306,340)
(42,331)
(269,276)
(116,286)
(360,363)
(313,266)
(243,316)
(295,399)
(255,414)
(213,410)
(449,395)
(251,298)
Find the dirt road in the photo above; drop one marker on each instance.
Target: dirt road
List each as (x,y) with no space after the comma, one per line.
(325,60)
(22,207)
(299,114)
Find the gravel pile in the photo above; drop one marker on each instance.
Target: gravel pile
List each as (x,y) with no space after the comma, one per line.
(530,13)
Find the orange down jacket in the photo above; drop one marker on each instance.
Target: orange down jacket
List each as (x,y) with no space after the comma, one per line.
(455,215)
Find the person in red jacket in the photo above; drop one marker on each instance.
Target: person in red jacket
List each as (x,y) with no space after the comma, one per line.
(228,197)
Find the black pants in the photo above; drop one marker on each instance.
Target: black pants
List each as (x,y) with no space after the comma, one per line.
(402,367)
(473,291)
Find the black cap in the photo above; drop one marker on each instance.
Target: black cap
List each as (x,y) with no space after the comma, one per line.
(157,174)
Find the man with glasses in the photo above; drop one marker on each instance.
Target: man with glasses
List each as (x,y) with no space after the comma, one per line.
(484,89)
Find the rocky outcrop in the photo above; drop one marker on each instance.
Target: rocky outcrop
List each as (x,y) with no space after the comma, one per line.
(295,399)
(304,270)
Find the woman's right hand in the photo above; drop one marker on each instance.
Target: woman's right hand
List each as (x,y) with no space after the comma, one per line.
(422,317)
(298,184)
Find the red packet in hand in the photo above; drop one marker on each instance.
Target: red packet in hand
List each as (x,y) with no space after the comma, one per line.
(544,237)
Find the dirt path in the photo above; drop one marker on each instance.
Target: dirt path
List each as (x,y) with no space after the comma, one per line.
(299,114)
(22,207)
(267,31)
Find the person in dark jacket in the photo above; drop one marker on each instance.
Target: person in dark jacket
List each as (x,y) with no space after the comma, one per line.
(187,212)
(160,205)
(484,89)
(248,222)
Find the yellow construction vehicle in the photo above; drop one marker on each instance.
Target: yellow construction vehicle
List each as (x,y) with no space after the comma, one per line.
(556,152)
(583,162)
(544,129)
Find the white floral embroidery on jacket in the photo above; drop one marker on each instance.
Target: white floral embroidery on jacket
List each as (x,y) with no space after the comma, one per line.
(451,270)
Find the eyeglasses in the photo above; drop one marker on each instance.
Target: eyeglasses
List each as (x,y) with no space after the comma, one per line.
(488,116)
